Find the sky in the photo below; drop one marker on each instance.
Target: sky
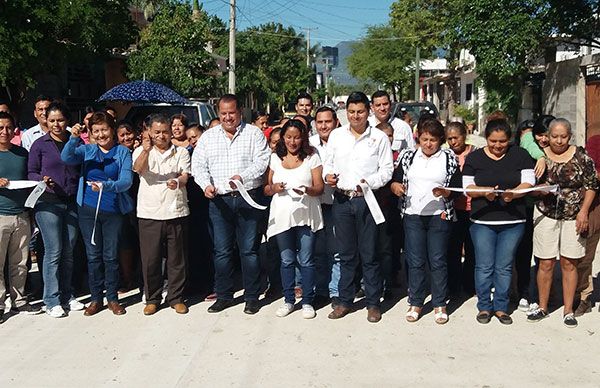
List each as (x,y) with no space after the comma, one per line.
(330,21)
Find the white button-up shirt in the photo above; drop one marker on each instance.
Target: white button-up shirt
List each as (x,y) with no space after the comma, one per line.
(367,157)
(155,200)
(31,135)
(403,136)
(315,141)
(217,158)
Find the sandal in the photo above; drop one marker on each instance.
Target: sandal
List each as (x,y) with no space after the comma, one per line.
(413,313)
(440,315)
(484,317)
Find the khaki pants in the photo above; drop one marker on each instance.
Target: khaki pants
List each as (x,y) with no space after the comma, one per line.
(15,234)
(585,285)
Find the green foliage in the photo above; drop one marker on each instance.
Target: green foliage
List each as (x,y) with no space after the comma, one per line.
(39,36)
(271,64)
(468,115)
(172,51)
(424,20)
(382,57)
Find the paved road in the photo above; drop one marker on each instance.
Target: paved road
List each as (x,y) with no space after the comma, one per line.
(234,349)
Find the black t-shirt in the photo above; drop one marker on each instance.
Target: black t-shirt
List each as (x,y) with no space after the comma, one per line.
(504,173)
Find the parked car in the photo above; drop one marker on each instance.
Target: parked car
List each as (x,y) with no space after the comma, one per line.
(196,112)
(414,108)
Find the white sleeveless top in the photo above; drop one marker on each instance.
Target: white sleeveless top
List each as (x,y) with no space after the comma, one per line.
(288,208)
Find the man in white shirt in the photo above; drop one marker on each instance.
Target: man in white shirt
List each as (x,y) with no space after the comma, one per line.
(327,262)
(39,112)
(163,212)
(231,151)
(357,153)
(403,137)
(304,107)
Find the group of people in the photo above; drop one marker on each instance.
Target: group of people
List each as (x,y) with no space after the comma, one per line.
(330,207)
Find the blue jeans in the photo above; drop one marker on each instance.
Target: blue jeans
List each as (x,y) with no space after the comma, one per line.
(495,248)
(426,243)
(232,221)
(327,261)
(356,237)
(296,246)
(59,229)
(103,260)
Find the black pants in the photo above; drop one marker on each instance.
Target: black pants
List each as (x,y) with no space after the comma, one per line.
(461,275)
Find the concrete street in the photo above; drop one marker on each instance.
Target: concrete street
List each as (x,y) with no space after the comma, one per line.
(234,349)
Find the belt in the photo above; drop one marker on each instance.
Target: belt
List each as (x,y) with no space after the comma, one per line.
(237,193)
(350,193)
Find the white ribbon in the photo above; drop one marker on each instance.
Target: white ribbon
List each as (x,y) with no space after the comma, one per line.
(36,193)
(173,205)
(17,185)
(97,209)
(245,195)
(543,188)
(372,203)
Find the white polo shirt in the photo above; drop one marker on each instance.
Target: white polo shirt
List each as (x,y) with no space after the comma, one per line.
(155,200)
(403,136)
(315,141)
(367,157)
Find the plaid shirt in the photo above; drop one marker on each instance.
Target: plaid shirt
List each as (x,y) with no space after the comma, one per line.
(217,158)
(405,161)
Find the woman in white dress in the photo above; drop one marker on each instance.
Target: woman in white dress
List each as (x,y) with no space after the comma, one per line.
(295,181)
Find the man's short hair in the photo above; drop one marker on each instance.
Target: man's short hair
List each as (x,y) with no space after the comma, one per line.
(380,93)
(158,118)
(227,98)
(326,109)
(357,98)
(42,97)
(8,116)
(303,95)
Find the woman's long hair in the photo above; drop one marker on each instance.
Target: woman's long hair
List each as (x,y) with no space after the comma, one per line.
(305,147)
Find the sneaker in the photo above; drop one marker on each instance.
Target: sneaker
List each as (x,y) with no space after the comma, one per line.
(308,312)
(74,305)
(524,305)
(285,310)
(532,308)
(27,309)
(56,312)
(537,315)
(570,321)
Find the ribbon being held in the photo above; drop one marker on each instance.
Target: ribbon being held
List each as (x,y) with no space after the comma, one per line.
(244,193)
(372,203)
(37,192)
(541,188)
(100,186)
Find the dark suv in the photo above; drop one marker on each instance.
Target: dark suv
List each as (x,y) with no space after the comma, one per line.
(195,111)
(414,108)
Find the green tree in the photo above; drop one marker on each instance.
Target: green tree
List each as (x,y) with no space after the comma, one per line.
(383,57)
(40,36)
(271,65)
(172,51)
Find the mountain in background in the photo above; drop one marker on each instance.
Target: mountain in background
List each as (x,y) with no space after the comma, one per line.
(340,74)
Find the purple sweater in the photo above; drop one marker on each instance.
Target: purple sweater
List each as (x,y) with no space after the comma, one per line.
(44,160)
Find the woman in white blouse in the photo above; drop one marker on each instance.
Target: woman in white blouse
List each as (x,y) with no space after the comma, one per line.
(294,179)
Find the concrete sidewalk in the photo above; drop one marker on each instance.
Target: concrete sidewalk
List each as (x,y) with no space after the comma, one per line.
(235,349)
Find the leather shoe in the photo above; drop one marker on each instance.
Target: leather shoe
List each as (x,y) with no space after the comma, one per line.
(150,309)
(338,312)
(116,308)
(251,307)
(220,305)
(93,309)
(373,314)
(180,308)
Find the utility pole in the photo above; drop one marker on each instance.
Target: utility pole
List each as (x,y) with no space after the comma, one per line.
(417,72)
(232,46)
(307,29)
(326,79)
